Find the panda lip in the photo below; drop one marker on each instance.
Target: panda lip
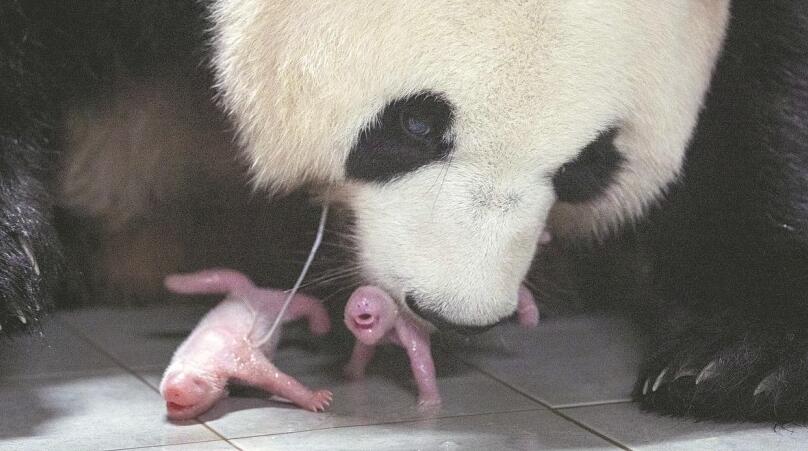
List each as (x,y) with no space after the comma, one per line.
(440,323)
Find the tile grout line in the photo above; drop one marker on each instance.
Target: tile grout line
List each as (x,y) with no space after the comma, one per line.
(594,404)
(552,409)
(591,430)
(153,446)
(132,372)
(384,423)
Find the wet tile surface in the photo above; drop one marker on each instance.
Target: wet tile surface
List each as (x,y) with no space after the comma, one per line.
(627,424)
(90,383)
(139,337)
(56,351)
(217,445)
(94,411)
(563,362)
(506,431)
(387,394)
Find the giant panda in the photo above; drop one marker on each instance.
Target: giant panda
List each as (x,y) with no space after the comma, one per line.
(456,133)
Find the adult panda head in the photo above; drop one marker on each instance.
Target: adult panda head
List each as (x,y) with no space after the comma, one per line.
(457,131)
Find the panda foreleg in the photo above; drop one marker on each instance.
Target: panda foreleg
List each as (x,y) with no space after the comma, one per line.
(30,253)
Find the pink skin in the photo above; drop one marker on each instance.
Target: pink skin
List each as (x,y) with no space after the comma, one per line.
(374,318)
(225,345)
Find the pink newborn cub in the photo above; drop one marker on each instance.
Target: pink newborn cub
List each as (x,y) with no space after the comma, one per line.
(374,318)
(226,345)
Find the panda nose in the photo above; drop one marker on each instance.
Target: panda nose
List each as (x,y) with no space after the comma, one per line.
(442,323)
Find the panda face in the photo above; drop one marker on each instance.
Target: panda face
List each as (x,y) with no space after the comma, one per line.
(458,131)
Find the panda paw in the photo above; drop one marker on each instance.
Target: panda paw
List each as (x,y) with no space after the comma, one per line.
(755,372)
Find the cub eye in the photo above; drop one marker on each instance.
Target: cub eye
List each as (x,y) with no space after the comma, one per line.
(415,125)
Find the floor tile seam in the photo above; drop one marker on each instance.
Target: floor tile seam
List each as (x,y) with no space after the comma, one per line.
(549,407)
(50,376)
(591,430)
(108,354)
(168,445)
(541,401)
(580,405)
(384,423)
(509,385)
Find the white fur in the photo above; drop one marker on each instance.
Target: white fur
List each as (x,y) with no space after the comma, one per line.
(532,82)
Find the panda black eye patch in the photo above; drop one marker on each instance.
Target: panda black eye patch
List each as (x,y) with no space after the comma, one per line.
(410,132)
(588,176)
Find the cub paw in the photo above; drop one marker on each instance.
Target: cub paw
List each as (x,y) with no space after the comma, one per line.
(319,401)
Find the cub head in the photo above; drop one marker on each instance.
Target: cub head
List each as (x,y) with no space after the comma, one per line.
(458,131)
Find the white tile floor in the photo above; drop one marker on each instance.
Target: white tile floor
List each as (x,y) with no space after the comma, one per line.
(90,383)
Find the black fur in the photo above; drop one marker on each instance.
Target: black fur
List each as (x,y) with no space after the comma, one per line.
(589,175)
(26,157)
(386,149)
(53,53)
(730,248)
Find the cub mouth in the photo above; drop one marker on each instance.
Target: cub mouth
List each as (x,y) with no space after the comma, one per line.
(364,321)
(174,406)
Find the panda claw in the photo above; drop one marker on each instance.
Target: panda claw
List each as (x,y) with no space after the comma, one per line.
(29,253)
(708,372)
(659,379)
(767,384)
(645,386)
(685,371)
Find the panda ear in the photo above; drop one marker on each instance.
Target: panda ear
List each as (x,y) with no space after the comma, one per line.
(590,173)
(410,132)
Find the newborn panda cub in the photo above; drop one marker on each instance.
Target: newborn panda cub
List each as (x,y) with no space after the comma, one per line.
(374,317)
(229,344)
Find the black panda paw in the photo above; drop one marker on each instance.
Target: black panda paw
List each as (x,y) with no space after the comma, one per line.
(729,371)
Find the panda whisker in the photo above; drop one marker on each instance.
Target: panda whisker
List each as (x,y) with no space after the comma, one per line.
(332,276)
(341,246)
(339,291)
(328,281)
(341,234)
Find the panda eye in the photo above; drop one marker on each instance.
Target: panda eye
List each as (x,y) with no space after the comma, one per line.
(415,125)
(410,132)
